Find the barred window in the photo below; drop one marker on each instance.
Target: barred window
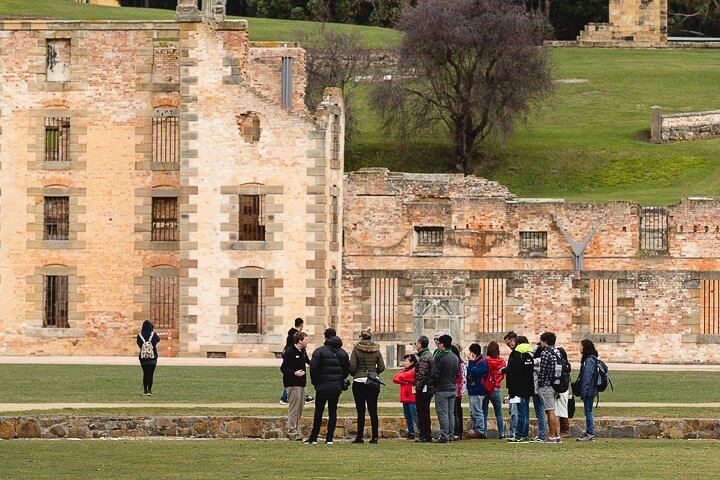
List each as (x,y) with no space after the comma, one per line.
(165,136)
(653,229)
(429,236)
(252,227)
(533,244)
(164,219)
(251,308)
(56,218)
(55,308)
(603,302)
(335,134)
(334,218)
(492,305)
(710,307)
(383,304)
(164,309)
(57,139)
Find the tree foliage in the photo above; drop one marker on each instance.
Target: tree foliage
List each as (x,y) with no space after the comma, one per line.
(694,18)
(569,17)
(477,70)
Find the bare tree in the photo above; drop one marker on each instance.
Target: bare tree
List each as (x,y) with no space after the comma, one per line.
(334,59)
(476,70)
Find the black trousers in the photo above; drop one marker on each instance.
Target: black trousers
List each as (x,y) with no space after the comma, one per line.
(422,402)
(458,417)
(148,372)
(321,398)
(365,394)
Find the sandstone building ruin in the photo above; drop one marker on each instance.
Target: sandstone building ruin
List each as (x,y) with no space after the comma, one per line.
(638,22)
(165,171)
(424,253)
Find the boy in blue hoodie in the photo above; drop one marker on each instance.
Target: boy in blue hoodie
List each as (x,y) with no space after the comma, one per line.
(476,370)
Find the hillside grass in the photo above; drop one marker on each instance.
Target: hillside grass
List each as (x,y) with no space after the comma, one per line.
(260,29)
(604,459)
(588,142)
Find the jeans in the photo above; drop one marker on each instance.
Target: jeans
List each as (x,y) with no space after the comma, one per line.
(458,429)
(589,417)
(445,407)
(284,396)
(422,402)
(476,413)
(513,412)
(320,399)
(496,399)
(540,415)
(148,372)
(523,425)
(411,417)
(365,395)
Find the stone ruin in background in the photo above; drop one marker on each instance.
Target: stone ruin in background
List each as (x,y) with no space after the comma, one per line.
(639,22)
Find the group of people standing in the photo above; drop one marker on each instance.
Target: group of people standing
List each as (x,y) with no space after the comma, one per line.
(530,372)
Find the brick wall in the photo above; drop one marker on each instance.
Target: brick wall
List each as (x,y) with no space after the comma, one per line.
(636,21)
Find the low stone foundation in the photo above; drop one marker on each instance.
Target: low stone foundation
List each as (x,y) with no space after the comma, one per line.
(54,427)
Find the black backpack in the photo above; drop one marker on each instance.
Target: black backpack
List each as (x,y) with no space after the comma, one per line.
(562,382)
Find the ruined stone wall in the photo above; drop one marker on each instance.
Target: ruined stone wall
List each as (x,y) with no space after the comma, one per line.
(684,126)
(641,22)
(654,286)
(264,70)
(112,80)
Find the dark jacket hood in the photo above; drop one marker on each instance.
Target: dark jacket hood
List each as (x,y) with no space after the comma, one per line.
(334,342)
(367,346)
(147,327)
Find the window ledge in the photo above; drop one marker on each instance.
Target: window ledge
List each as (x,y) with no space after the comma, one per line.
(604,337)
(701,338)
(251,338)
(52,332)
(427,254)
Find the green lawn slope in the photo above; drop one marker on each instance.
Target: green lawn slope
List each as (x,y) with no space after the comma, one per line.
(261,29)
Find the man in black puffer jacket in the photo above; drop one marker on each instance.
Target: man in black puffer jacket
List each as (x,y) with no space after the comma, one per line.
(329,367)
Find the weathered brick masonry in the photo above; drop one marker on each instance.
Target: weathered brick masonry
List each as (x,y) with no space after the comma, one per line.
(121,118)
(446,252)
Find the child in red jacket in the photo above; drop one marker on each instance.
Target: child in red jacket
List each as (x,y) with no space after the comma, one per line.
(406,379)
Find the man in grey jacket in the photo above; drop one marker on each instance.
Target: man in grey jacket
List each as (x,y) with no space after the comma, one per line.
(445,371)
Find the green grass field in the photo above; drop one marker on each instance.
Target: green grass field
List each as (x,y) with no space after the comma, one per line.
(121,384)
(398,459)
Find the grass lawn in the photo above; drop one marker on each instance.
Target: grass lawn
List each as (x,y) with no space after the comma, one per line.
(121,384)
(230,459)
(588,143)
(261,29)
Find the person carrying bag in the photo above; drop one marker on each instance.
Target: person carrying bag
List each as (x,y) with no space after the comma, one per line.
(366,365)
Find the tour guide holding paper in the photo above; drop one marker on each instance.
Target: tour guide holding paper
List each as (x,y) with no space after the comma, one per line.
(519,377)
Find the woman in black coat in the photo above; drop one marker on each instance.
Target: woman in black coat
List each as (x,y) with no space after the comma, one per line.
(148,361)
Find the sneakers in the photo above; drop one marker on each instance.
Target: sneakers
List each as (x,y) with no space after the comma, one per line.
(358,440)
(411,436)
(310,442)
(517,440)
(309,399)
(586,438)
(373,441)
(328,442)
(537,440)
(554,440)
(284,402)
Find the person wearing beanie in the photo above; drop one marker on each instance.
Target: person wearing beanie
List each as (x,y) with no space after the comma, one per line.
(477,369)
(366,365)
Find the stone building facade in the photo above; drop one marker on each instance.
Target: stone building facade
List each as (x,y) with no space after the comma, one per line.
(166,171)
(463,255)
(633,22)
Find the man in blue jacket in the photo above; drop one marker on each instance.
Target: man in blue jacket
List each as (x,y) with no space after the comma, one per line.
(476,370)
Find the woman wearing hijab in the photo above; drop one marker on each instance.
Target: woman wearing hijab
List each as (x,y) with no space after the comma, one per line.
(147,342)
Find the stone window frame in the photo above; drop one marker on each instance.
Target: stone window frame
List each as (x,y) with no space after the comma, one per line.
(624,301)
(430,250)
(36,299)
(692,318)
(336,140)
(143,298)
(36,143)
(272,213)
(144,212)
(48,41)
(145,136)
(335,215)
(37,207)
(272,300)
(78,54)
(533,244)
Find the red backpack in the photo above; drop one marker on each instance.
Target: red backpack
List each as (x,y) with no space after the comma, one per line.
(488,381)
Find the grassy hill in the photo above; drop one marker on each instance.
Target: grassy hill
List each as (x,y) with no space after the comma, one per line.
(261,29)
(587,143)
